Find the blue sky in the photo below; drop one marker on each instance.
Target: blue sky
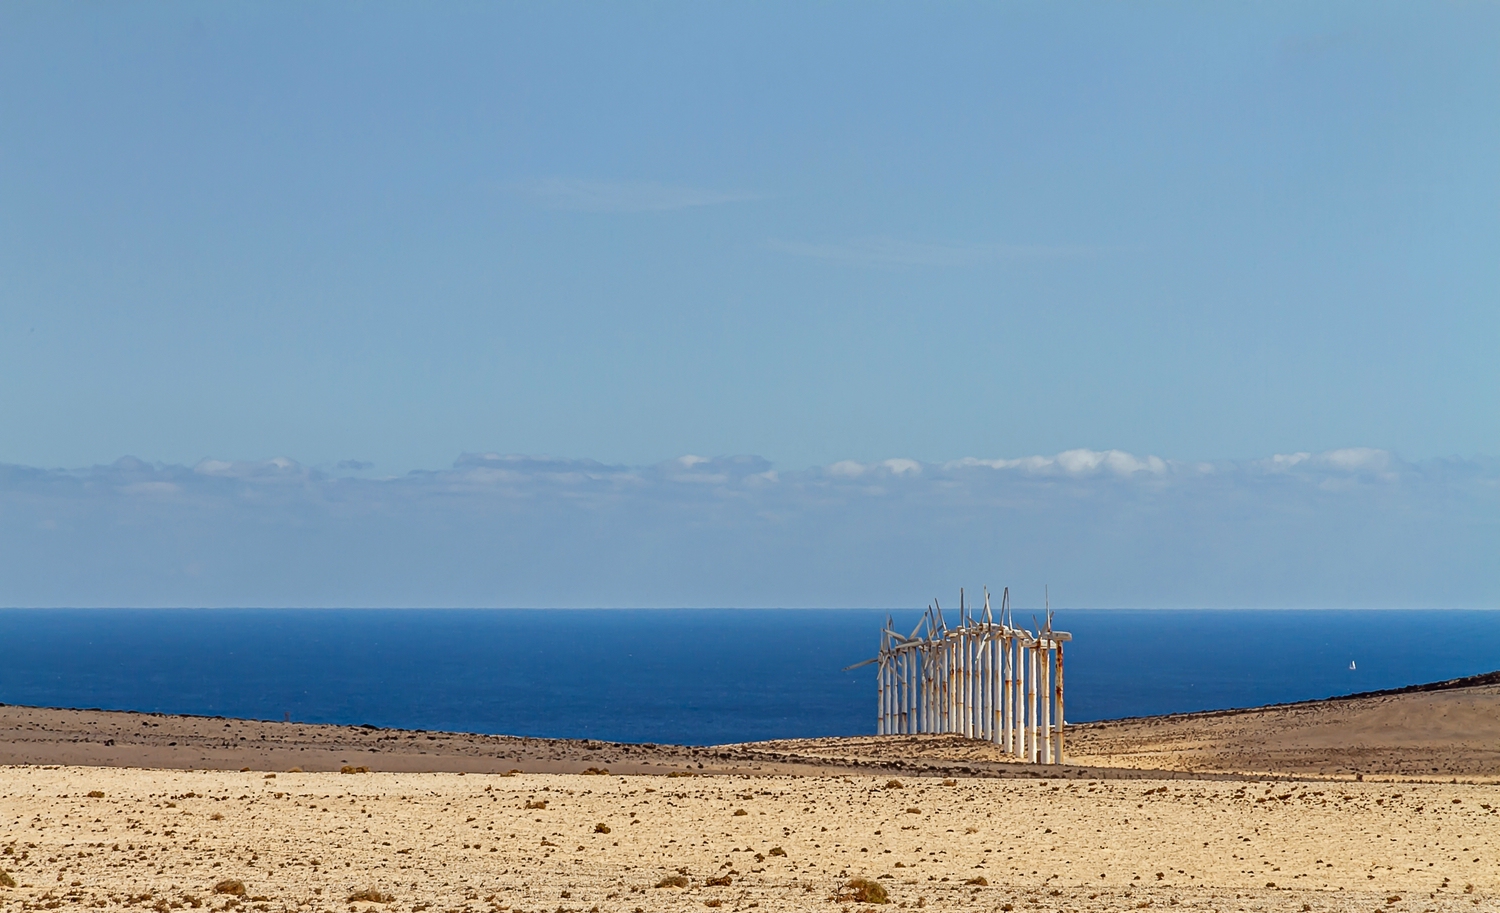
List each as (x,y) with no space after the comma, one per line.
(368,238)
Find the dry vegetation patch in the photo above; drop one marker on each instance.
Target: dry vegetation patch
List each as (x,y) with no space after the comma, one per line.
(862,890)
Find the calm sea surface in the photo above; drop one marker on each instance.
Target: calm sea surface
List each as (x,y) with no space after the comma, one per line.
(687,676)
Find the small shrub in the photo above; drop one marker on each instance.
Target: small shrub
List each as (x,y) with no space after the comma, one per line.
(348,769)
(914,811)
(96,794)
(716,902)
(597,772)
(979,880)
(721,881)
(5,880)
(777,851)
(536,803)
(739,812)
(269,777)
(673,881)
(370,895)
(231,886)
(950,782)
(216,816)
(863,890)
(601,828)
(294,770)
(893,784)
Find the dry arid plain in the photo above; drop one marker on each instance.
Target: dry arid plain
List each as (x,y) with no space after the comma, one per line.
(1386,802)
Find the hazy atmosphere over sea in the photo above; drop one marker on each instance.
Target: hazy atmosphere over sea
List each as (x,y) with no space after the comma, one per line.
(1345,529)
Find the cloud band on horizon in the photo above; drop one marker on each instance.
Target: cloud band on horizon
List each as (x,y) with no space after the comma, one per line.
(1353,527)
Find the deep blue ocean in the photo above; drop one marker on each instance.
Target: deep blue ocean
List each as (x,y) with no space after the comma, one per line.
(685,676)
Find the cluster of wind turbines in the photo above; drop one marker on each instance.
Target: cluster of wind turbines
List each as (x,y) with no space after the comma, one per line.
(983,679)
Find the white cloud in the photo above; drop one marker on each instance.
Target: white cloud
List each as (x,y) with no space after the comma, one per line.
(1344,527)
(1350,460)
(853,469)
(1359,459)
(902,467)
(849,469)
(1075,462)
(624,196)
(279,468)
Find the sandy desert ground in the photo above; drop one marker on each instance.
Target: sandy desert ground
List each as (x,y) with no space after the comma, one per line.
(115,838)
(1377,803)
